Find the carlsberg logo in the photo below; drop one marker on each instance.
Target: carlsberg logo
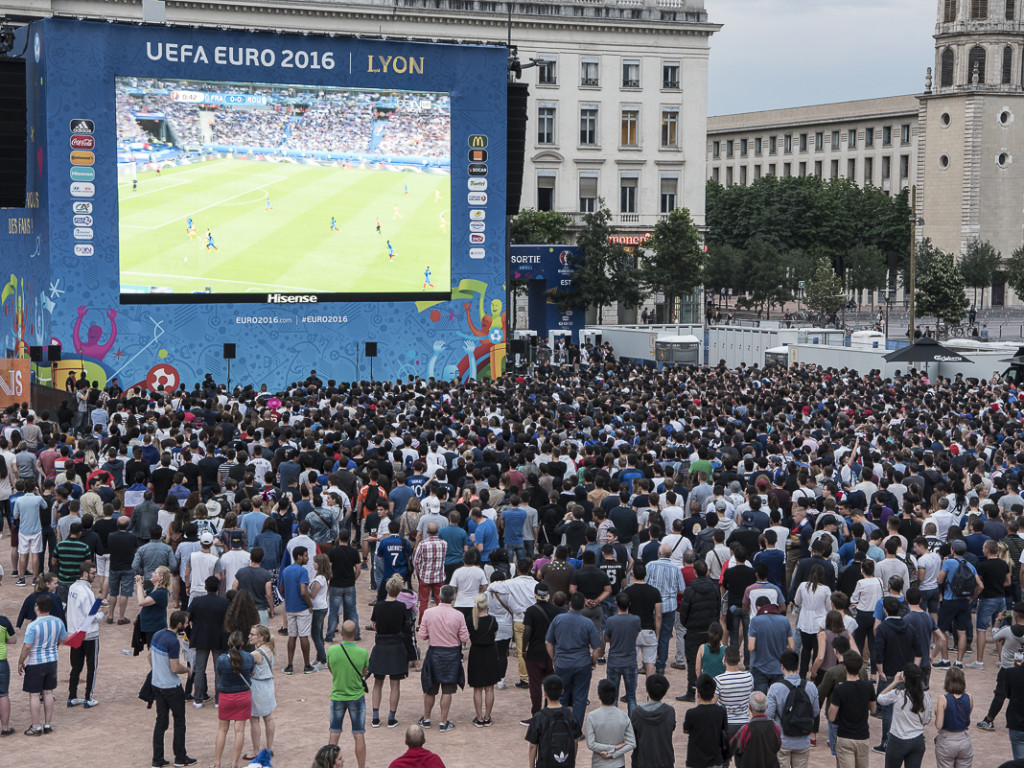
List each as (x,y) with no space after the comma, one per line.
(280,298)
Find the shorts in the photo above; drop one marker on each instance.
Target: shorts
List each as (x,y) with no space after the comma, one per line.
(102,566)
(122,583)
(955,614)
(989,608)
(5,678)
(356,714)
(30,543)
(446,689)
(40,677)
(300,624)
(930,600)
(647,642)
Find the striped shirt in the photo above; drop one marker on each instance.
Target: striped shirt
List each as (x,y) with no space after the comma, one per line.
(71,553)
(667,578)
(44,634)
(734,689)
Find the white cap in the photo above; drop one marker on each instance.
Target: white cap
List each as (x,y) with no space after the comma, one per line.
(206,538)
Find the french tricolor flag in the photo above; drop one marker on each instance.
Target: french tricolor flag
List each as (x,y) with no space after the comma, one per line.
(75,640)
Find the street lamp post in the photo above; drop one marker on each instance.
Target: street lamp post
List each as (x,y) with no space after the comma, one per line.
(889,295)
(914,223)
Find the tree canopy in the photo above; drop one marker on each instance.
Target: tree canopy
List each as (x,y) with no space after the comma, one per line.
(940,285)
(531,227)
(674,258)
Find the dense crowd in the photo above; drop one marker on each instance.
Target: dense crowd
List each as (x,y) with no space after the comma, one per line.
(785,547)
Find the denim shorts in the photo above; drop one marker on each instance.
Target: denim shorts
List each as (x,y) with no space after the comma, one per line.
(356,713)
(988,608)
(930,599)
(122,583)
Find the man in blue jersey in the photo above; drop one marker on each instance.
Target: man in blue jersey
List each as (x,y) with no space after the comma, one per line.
(38,664)
(426,279)
(394,553)
(168,695)
(209,241)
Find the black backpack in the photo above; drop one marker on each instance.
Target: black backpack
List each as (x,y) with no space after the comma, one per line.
(557,747)
(372,494)
(704,543)
(797,715)
(963,583)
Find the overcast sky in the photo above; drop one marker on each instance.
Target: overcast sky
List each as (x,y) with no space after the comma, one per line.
(787,53)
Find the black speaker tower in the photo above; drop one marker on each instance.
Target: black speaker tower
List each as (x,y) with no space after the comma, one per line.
(518,95)
(13,133)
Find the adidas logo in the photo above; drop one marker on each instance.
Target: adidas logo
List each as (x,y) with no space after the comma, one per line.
(82,126)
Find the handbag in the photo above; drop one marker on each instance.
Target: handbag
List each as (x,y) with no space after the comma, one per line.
(362,679)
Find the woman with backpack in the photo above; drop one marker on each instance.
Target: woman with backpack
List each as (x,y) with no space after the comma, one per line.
(813,599)
(953,748)
(912,711)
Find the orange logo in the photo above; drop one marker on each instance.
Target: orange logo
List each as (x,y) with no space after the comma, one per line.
(83,158)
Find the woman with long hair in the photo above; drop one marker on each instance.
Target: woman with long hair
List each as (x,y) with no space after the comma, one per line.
(264,700)
(953,748)
(911,712)
(152,602)
(410,519)
(45,584)
(812,596)
(865,597)
(234,674)
(826,658)
(329,757)
(319,592)
(242,614)
(482,671)
(711,655)
(389,657)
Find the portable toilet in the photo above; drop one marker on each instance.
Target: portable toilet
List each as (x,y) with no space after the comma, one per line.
(776,356)
(867,340)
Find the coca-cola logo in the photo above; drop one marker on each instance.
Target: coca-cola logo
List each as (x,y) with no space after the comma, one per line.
(83,142)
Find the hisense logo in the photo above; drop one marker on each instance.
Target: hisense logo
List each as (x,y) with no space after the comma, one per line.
(290,298)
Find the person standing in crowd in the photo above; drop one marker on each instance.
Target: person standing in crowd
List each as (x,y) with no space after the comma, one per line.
(706,727)
(912,711)
(428,565)
(38,664)
(390,655)
(206,617)
(234,695)
(852,702)
(960,587)
(445,631)
(770,635)
(663,575)
(793,705)
(554,731)
(620,633)
(609,730)
(345,572)
(153,602)
(697,610)
(483,670)
(83,618)
(896,646)
(759,741)
(645,602)
(416,756)
(257,581)
(164,654)
(654,722)
(536,620)
(298,607)
(348,664)
(264,698)
(574,645)
(953,709)
(318,592)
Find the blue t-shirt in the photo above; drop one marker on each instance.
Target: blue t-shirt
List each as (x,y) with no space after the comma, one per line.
(880,607)
(574,637)
(457,540)
(393,551)
(417,484)
(486,535)
(776,561)
(400,497)
(771,632)
(27,508)
(949,568)
(163,647)
(292,579)
(514,519)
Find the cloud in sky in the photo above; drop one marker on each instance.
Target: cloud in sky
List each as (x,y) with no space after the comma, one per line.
(785,53)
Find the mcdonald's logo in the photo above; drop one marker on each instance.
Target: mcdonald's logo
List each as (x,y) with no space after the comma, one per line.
(478,141)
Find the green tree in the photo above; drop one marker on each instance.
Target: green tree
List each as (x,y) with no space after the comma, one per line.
(724,269)
(979,265)
(598,264)
(940,288)
(1015,271)
(823,292)
(768,281)
(531,227)
(865,268)
(673,259)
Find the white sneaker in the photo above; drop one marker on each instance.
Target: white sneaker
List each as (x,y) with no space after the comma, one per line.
(197,704)
(975,665)
(501,685)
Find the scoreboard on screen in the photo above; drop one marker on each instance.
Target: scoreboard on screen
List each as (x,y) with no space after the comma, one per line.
(297,196)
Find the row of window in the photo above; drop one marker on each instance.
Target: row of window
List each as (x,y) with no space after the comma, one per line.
(787,170)
(629,126)
(590,73)
(629,184)
(976,61)
(979,10)
(803,141)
